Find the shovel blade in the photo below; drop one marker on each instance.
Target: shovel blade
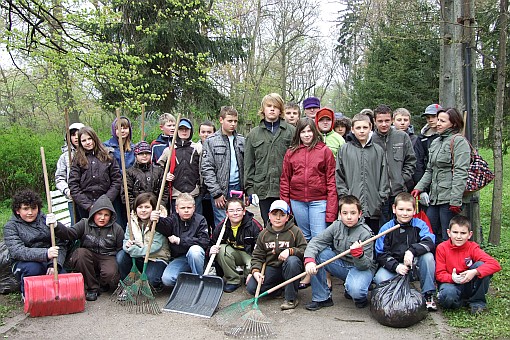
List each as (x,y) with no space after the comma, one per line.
(41,295)
(194,294)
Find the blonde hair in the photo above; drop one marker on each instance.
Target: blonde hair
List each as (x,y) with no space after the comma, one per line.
(166,117)
(184,197)
(275,99)
(403,112)
(360,117)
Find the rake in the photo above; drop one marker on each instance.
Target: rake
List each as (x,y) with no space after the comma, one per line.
(259,325)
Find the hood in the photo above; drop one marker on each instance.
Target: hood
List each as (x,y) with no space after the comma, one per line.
(114,127)
(191,133)
(290,223)
(103,202)
(354,140)
(325,112)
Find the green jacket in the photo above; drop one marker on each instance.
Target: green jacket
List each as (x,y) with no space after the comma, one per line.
(333,141)
(263,159)
(447,183)
(339,238)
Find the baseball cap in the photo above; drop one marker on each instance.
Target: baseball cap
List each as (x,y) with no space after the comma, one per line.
(75,126)
(432,110)
(280,205)
(185,123)
(311,102)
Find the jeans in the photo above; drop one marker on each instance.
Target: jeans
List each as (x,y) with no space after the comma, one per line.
(452,295)
(276,275)
(264,206)
(193,262)
(22,269)
(427,269)
(70,207)
(440,216)
(310,217)
(356,281)
(154,269)
(219,214)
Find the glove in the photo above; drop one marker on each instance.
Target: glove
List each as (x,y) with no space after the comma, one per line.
(455,209)
(254,199)
(415,193)
(67,193)
(424,199)
(457,278)
(357,252)
(51,219)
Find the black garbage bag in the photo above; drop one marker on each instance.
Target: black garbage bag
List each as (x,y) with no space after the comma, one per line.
(8,282)
(395,304)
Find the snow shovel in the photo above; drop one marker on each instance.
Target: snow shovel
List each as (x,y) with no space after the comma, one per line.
(47,295)
(197,295)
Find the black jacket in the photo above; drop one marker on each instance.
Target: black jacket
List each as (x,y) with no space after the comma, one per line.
(142,178)
(247,233)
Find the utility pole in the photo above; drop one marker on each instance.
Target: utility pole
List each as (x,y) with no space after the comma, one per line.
(457,85)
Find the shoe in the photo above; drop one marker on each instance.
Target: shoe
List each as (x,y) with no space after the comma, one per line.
(477,309)
(314,305)
(91,295)
(289,304)
(361,303)
(230,287)
(431,304)
(304,285)
(158,289)
(105,288)
(347,296)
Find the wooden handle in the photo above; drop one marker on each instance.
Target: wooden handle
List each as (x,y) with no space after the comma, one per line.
(213,256)
(162,188)
(142,136)
(334,258)
(259,284)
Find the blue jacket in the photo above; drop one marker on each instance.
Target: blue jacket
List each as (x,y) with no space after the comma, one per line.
(113,145)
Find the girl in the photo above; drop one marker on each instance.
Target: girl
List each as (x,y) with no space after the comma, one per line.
(446,177)
(141,224)
(94,172)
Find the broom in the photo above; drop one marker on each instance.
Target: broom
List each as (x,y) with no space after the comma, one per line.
(259,327)
(119,295)
(140,294)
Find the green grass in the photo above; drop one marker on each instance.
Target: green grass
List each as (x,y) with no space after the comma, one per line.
(494,324)
(9,303)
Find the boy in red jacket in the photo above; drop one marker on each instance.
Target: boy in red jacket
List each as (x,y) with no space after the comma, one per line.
(463,270)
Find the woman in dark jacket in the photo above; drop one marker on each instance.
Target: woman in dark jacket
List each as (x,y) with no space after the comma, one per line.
(94,172)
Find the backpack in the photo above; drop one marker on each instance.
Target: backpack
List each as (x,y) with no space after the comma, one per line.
(479,173)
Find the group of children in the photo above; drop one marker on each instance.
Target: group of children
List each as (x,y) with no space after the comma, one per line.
(319,194)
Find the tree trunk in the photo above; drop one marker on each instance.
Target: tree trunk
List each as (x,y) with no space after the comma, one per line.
(497,193)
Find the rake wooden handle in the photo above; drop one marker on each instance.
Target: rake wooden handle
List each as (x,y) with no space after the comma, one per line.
(259,284)
(218,242)
(334,258)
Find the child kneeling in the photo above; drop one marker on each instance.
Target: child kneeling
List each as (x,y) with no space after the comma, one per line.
(281,246)
(412,243)
(355,269)
(463,270)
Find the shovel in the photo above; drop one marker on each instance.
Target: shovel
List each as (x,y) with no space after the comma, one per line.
(47,295)
(197,295)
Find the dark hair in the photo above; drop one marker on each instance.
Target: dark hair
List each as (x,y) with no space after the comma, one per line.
(28,197)
(292,105)
(349,199)
(228,110)
(345,122)
(235,200)
(99,149)
(381,109)
(405,197)
(145,197)
(455,118)
(460,220)
(301,125)
(207,123)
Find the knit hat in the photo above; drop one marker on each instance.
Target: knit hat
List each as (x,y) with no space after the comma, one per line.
(338,115)
(311,102)
(142,147)
(432,110)
(280,205)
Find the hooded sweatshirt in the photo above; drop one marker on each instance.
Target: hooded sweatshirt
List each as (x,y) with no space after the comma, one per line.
(332,138)
(105,240)
(113,146)
(64,164)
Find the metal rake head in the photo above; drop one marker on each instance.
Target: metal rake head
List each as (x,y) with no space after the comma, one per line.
(255,325)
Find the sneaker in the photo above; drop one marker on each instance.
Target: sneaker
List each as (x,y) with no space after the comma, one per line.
(361,303)
(105,288)
(91,295)
(230,287)
(431,304)
(347,296)
(158,289)
(477,309)
(289,304)
(314,305)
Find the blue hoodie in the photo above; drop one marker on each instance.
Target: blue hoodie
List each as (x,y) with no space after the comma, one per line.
(113,145)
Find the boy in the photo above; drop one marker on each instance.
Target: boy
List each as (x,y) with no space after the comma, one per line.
(463,270)
(400,157)
(101,239)
(184,172)
(143,176)
(223,162)
(205,130)
(429,132)
(310,106)
(356,269)
(324,121)
(360,171)
(281,246)
(241,232)
(187,236)
(402,122)
(28,239)
(342,125)
(167,126)
(265,148)
(413,243)
(292,113)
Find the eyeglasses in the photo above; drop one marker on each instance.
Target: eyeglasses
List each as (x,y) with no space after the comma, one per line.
(231,211)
